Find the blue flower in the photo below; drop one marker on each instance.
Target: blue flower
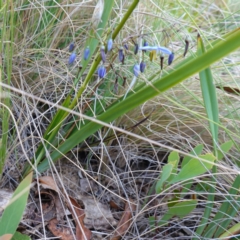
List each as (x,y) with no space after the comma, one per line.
(86,53)
(142,66)
(121,55)
(109,45)
(72,58)
(101,71)
(102,53)
(71,47)
(136,70)
(170,58)
(136,48)
(156,48)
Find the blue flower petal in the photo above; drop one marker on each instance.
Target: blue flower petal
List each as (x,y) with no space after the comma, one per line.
(156,48)
(109,45)
(136,70)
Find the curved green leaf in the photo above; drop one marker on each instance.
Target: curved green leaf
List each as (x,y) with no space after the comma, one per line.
(166,172)
(182,209)
(224,148)
(196,151)
(195,168)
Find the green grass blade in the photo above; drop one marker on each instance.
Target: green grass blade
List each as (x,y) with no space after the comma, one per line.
(231,232)
(209,97)
(122,106)
(226,213)
(14,211)
(6,65)
(211,107)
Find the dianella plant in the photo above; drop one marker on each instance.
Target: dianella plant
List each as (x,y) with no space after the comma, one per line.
(95,72)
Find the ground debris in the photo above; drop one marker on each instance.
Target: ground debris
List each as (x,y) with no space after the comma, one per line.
(126,220)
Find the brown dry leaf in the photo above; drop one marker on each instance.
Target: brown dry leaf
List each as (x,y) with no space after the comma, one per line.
(82,233)
(64,233)
(232,90)
(125,220)
(48,183)
(114,205)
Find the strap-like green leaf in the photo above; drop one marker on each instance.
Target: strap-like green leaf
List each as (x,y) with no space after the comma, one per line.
(209,96)
(13,213)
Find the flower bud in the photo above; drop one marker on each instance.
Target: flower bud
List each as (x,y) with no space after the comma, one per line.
(145,44)
(109,45)
(125,46)
(136,70)
(71,47)
(103,55)
(142,66)
(121,55)
(136,48)
(187,40)
(101,71)
(86,53)
(72,58)
(161,60)
(170,58)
